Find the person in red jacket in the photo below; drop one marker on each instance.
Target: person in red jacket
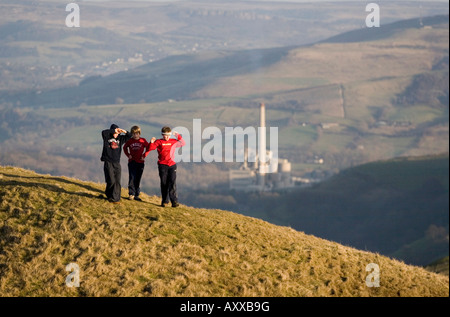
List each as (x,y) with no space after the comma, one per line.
(167,167)
(136,151)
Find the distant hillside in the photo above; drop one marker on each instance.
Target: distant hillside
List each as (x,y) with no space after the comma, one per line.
(38,51)
(232,73)
(386,31)
(175,77)
(141,249)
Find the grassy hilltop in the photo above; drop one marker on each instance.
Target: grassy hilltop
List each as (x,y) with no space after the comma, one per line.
(141,249)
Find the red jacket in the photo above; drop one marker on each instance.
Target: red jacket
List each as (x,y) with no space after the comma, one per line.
(166,149)
(136,149)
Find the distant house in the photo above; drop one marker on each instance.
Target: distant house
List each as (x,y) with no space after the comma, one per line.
(330,125)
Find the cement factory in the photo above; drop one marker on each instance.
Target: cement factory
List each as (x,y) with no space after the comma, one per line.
(265,172)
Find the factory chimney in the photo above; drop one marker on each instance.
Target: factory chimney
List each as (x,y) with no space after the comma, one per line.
(262,149)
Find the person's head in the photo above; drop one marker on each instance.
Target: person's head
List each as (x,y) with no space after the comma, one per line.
(113,127)
(136,132)
(166,133)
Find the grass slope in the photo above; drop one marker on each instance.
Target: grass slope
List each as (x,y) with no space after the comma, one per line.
(440,266)
(141,249)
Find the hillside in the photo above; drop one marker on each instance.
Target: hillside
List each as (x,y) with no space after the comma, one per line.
(402,49)
(38,51)
(141,249)
(371,34)
(439,266)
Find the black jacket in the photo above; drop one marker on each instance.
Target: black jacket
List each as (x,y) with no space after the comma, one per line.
(112,147)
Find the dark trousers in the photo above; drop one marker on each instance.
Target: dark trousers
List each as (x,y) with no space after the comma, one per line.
(135,171)
(113,172)
(168,177)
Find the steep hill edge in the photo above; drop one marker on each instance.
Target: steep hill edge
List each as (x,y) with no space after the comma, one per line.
(141,249)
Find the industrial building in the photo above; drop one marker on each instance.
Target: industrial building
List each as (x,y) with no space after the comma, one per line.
(266,172)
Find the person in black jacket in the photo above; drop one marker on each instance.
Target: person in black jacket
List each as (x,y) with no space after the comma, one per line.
(113,140)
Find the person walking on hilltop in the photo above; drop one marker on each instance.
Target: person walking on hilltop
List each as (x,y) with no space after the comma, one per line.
(135,150)
(167,167)
(113,140)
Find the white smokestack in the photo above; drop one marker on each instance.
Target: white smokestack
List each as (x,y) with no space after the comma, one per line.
(262,139)
(262,115)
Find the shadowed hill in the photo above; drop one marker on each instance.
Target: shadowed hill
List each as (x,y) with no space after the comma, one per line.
(141,249)
(175,77)
(386,31)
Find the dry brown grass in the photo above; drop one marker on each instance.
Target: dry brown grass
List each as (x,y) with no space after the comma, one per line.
(141,249)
